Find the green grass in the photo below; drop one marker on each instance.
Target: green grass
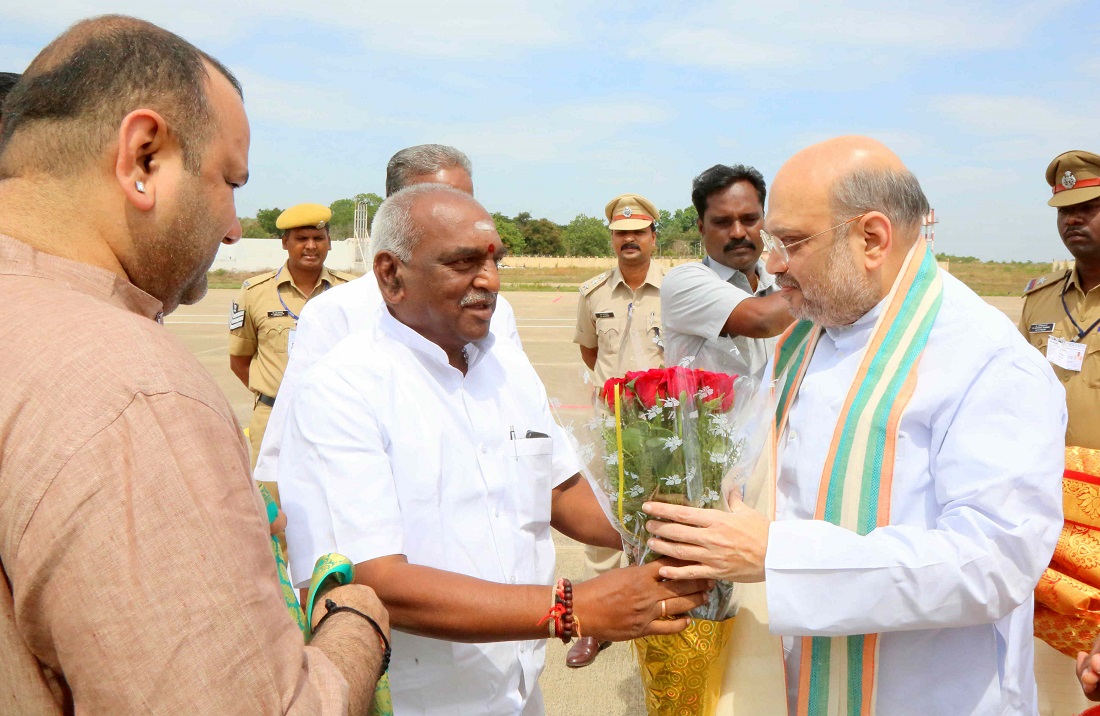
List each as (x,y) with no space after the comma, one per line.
(995,278)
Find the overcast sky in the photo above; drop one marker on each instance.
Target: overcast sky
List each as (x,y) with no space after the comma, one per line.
(563,105)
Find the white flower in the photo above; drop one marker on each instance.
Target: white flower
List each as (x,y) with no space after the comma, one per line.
(672,443)
(691,473)
(719,458)
(706,391)
(595,423)
(587,452)
(720,426)
(632,475)
(686,362)
(612,459)
(635,491)
(628,518)
(672,480)
(710,496)
(671,402)
(654,412)
(609,421)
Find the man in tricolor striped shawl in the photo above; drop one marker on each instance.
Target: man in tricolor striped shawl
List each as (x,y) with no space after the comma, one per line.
(917,463)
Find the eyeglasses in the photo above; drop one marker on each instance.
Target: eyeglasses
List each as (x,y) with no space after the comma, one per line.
(777,247)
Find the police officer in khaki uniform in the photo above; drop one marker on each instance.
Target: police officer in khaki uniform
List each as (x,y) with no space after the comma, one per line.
(618,330)
(264,317)
(1061,315)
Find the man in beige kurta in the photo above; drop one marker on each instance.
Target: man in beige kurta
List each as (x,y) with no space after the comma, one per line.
(138,575)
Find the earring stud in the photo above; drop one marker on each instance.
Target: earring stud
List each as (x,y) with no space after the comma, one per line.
(140,186)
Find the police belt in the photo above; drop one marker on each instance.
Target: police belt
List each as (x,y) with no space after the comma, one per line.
(266,400)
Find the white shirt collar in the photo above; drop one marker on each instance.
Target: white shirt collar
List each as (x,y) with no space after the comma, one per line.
(765,279)
(858,333)
(397,330)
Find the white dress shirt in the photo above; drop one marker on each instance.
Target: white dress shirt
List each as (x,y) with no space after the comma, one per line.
(389,450)
(975,511)
(325,321)
(696,301)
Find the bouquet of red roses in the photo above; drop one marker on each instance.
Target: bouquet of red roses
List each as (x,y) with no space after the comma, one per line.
(678,435)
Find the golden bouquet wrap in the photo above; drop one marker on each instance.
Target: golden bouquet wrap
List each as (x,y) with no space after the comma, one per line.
(1067,598)
(681,673)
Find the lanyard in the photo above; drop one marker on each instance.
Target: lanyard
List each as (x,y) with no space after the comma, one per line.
(1081,333)
(294,315)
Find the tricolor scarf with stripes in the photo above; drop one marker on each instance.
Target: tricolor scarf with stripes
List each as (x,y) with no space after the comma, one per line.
(837,675)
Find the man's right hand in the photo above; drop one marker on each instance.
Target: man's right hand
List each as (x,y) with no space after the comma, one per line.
(1088,671)
(625,603)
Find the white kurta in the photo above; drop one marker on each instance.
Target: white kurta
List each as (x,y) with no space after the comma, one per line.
(975,512)
(696,301)
(389,450)
(325,321)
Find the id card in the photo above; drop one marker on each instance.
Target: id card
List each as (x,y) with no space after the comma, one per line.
(1065,354)
(290,342)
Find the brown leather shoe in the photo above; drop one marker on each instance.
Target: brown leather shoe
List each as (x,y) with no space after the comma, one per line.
(584,652)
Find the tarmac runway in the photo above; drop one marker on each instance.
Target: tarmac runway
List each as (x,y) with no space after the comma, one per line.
(611,686)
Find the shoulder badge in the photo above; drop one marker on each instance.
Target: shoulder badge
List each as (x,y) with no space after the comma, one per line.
(595,282)
(1051,279)
(257,280)
(236,317)
(344,275)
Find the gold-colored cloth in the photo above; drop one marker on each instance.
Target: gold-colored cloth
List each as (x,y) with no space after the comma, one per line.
(1067,598)
(682,673)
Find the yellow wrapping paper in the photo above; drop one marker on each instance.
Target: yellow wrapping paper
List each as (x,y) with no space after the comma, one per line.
(1067,598)
(682,673)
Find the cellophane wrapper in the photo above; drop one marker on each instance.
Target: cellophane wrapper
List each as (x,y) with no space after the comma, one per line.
(678,435)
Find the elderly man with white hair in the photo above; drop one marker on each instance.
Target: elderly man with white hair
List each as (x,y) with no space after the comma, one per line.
(423,449)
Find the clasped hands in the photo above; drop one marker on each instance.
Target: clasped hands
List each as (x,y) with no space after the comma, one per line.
(730,546)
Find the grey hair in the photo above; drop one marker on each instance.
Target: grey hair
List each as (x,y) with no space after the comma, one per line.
(393,229)
(897,194)
(422,159)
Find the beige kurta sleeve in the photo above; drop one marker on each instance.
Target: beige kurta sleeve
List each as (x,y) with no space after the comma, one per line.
(146,576)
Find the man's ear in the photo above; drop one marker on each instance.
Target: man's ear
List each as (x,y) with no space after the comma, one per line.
(878,239)
(389,270)
(145,148)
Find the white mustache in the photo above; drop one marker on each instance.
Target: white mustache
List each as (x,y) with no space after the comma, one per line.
(478,296)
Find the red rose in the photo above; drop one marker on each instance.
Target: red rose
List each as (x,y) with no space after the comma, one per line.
(721,385)
(682,382)
(608,392)
(650,386)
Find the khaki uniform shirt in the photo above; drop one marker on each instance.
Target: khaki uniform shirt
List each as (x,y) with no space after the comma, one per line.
(263,319)
(606,307)
(1043,317)
(137,574)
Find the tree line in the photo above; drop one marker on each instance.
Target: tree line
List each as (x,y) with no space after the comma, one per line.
(523,234)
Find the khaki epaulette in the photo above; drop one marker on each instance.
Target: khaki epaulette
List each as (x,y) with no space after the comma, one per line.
(1050,279)
(257,280)
(595,282)
(347,276)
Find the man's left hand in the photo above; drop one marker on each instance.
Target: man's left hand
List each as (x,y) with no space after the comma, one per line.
(724,545)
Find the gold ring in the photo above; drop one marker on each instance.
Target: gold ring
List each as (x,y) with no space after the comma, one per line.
(663,613)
